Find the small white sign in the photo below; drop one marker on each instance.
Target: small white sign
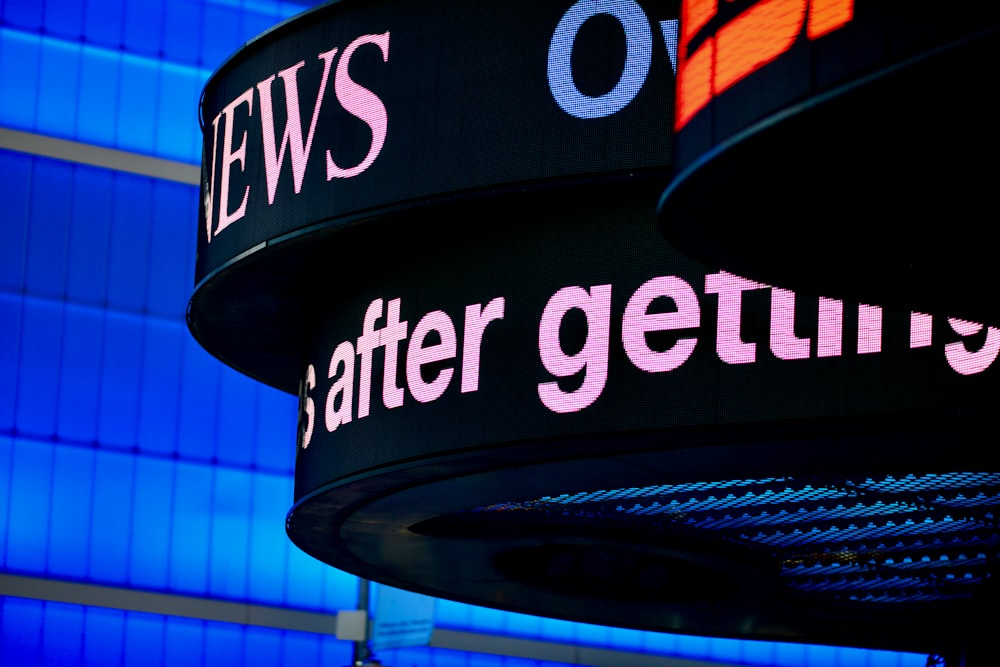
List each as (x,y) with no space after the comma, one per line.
(352,625)
(401,619)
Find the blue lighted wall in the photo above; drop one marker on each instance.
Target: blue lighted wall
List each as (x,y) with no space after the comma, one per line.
(128,456)
(122,74)
(49,633)
(33,632)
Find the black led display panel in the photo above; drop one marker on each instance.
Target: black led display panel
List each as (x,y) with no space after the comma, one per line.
(581,321)
(393,103)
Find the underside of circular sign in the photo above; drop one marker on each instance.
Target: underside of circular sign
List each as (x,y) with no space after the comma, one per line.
(828,533)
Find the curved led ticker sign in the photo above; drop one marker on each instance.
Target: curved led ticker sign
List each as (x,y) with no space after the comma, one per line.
(451,401)
(368,105)
(514,342)
(840,127)
(438,227)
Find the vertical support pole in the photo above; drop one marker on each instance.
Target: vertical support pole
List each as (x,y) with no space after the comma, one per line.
(361,652)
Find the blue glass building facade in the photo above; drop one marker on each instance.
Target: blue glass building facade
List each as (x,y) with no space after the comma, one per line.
(143,484)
